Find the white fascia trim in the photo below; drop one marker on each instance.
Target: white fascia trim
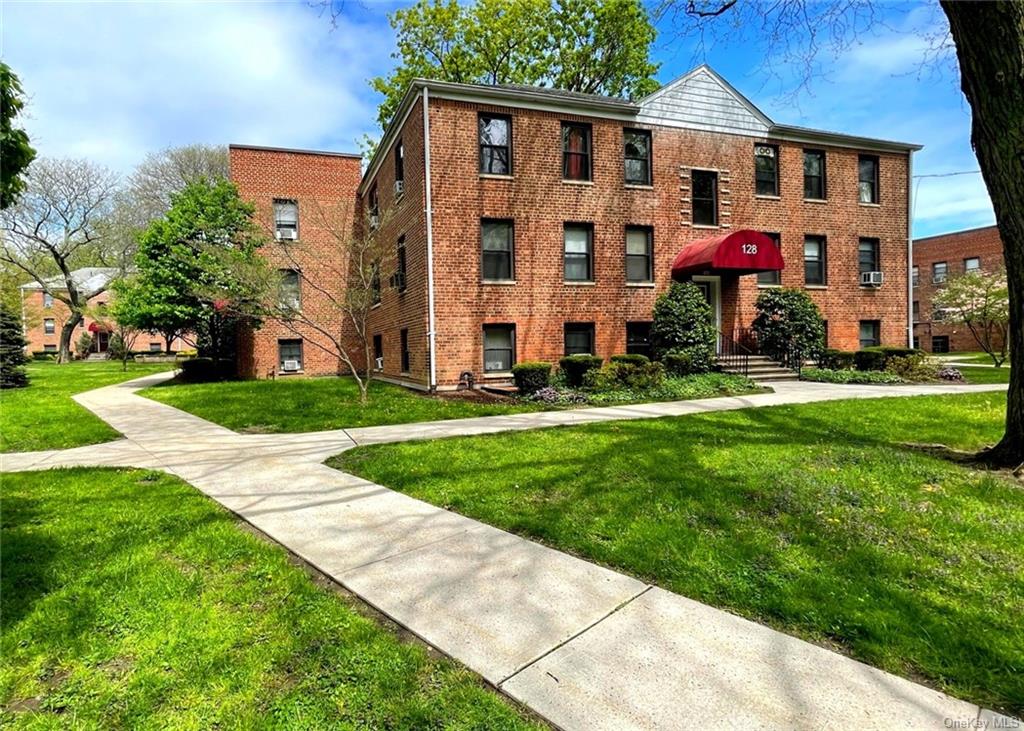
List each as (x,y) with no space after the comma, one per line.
(428,210)
(568,107)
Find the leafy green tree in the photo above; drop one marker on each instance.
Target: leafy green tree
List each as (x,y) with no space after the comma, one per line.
(12,350)
(684,325)
(194,268)
(15,151)
(980,301)
(788,318)
(591,46)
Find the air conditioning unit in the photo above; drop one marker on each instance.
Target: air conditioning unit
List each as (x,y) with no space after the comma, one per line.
(286,234)
(374,220)
(380,363)
(871,279)
(399,187)
(290,366)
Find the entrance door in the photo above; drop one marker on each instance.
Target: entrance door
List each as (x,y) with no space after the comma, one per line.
(102,341)
(711,287)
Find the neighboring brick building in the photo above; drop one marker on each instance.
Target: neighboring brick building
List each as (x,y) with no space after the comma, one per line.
(937,258)
(43,315)
(529,222)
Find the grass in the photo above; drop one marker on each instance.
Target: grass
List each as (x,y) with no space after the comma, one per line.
(975,357)
(316,404)
(810,518)
(985,375)
(131,601)
(43,416)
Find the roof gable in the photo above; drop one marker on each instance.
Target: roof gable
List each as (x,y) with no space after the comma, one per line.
(703,100)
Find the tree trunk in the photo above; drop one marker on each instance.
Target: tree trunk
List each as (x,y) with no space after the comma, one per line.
(66,331)
(989,41)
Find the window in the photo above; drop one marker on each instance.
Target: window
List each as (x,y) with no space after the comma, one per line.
(49,326)
(495,144)
(867,256)
(286,220)
(288,290)
(972,264)
(400,265)
(52,348)
(766,170)
(155,348)
(47,300)
(638,156)
(638,338)
(375,284)
(639,254)
(579,338)
(374,203)
(867,178)
(575,151)
(579,253)
(499,348)
(771,279)
(399,166)
(814,260)
(917,342)
(940,343)
(869,333)
(289,355)
(705,197)
(404,338)
(940,270)
(378,351)
(814,175)
(938,313)
(916,309)
(915,275)
(497,240)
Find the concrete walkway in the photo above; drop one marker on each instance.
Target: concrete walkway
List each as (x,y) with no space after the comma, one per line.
(585,647)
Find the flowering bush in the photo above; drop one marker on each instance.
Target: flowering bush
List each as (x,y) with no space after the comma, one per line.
(950,374)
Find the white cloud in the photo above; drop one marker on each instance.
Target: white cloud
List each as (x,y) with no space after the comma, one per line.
(113,81)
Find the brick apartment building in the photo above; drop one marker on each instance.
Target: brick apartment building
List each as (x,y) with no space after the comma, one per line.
(529,223)
(936,259)
(43,315)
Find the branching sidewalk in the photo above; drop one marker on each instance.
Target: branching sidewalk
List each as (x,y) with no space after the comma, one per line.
(583,646)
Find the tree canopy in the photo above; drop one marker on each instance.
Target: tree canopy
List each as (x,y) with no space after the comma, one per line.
(980,301)
(591,46)
(15,151)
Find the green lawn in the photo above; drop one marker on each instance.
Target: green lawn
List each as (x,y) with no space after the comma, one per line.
(973,357)
(131,601)
(986,375)
(315,404)
(43,416)
(809,518)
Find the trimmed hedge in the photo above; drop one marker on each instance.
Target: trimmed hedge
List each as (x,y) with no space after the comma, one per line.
(531,376)
(575,367)
(625,374)
(877,357)
(198,370)
(837,360)
(688,362)
(634,358)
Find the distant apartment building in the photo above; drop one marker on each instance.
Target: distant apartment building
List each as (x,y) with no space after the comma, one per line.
(531,223)
(44,315)
(936,260)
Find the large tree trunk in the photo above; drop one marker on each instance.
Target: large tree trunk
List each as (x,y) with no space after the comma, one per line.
(66,331)
(989,41)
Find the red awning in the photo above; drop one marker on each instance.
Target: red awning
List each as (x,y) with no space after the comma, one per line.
(98,327)
(740,252)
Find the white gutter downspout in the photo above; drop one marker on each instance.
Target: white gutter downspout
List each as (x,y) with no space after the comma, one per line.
(429,211)
(910,249)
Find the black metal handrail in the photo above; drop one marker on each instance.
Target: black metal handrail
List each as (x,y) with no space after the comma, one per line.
(792,357)
(732,355)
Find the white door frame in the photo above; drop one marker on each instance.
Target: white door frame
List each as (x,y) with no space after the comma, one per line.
(716,296)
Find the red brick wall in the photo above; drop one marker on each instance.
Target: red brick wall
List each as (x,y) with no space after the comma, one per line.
(539,202)
(952,248)
(34,315)
(324,185)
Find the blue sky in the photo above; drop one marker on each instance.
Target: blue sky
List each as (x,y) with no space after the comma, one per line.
(114,80)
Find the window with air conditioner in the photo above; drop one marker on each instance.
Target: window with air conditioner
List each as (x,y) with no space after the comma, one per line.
(289,356)
(940,272)
(868,262)
(499,348)
(47,300)
(286,220)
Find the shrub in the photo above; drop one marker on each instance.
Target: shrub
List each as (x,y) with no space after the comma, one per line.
(634,358)
(869,359)
(83,344)
(913,367)
(531,376)
(837,360)
(950,374)
(825,375)
(575,367)
(43,355)
(116,349)
(683,322)
(689,361)
(198,370)
(788,318)
(625,375)
(12,351)
(551,395)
